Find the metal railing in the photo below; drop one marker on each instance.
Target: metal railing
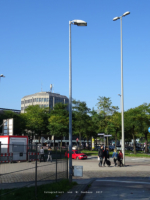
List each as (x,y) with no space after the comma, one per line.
(29,167)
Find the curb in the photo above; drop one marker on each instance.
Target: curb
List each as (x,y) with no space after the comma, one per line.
(86,187)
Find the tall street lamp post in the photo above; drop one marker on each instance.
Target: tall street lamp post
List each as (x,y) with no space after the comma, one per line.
(78,23)
(122,107)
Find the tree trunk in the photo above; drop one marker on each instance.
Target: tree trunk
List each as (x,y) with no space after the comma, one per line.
(146,142)
(134,146)
(39,138)
(54,142)
(61,143)
(87,139)
(79,140)
(107,143)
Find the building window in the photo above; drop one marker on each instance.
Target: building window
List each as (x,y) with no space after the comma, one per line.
(47,99)
(37,100)
(44,99)
(22,102)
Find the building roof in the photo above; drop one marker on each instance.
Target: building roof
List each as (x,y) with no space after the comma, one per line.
(46,94)
(13,110)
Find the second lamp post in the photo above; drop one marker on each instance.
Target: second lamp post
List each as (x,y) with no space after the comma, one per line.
(122,107)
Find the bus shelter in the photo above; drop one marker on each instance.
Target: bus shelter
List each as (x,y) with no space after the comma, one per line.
(104,136)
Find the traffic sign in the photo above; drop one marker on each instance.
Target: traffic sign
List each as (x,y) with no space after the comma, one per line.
(149,129)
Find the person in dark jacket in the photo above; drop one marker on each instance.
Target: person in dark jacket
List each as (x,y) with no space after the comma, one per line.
(106,155)
(101,155)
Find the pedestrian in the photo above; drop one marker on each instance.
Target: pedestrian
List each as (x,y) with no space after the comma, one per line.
(120,158)
(115,156)
(106,155)
(49,155)
(101,155)
(42,154)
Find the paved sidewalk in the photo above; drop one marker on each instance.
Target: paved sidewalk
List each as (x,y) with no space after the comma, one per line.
(78,191)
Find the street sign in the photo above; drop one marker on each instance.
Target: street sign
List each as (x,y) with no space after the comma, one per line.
(149,129)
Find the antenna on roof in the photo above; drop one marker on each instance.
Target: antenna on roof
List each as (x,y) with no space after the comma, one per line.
(51,87)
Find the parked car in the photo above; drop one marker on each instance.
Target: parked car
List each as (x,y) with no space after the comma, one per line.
(118,148)
(76,155)
(111,148)
(137,149)
(128,148)
(97,148)
(76,147)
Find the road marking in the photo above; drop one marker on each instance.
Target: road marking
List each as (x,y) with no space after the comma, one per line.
(124,181)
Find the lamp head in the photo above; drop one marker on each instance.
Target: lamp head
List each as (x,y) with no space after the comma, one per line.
(79,22)
(126,13)
(115,18)
(2,75)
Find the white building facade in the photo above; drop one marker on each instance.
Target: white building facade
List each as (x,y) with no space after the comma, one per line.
(43,99)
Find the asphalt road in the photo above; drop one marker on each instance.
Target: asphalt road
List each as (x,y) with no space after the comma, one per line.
(117,183)
(118,190)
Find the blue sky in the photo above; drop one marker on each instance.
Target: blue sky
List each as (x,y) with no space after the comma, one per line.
(34,49)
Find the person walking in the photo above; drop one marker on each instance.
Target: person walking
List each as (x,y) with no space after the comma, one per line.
(49,155)
(42,154)
(120,158)
(101,155)
(106,155)
(115,156)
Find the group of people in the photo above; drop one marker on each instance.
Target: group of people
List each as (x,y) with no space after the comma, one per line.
(104,154)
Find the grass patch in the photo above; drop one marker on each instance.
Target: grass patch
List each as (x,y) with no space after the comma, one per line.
(139,155)
(44,192)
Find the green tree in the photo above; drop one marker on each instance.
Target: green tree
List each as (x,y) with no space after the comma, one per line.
(144,121)
(37,119)
(59,121)
(80,111)
(132,124)
(106,110)
(115,124)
